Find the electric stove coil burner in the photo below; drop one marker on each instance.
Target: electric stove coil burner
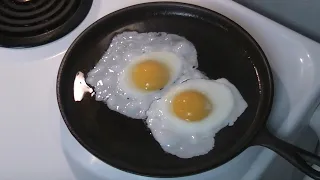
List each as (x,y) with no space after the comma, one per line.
(27,23)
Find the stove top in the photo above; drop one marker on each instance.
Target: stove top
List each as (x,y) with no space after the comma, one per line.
(27,23)
(35,143)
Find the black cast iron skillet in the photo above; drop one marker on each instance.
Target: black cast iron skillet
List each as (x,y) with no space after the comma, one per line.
(224,50)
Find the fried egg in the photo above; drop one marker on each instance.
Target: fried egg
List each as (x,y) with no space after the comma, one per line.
(138,68)
(185,120)
(150,73)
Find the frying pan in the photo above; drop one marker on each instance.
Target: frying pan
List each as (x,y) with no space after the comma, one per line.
(224,50)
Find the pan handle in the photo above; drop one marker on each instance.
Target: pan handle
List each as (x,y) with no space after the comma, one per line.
(298,157)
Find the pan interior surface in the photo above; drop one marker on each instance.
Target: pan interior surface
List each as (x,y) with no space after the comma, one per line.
(224,50)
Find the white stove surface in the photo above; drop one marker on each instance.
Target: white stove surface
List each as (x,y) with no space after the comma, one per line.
(35,143)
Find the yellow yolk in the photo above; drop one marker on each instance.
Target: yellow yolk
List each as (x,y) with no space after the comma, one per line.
(150,75)
(191,105)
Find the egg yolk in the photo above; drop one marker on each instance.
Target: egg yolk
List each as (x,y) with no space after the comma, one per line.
(150,75)
(191,105)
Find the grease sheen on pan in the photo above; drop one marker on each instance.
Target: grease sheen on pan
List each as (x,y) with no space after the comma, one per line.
(185,120)
(123,77)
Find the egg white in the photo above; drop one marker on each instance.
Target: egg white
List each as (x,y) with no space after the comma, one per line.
(110,76)
(188,139)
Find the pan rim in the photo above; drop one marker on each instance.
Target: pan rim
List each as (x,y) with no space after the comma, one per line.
(266,97)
